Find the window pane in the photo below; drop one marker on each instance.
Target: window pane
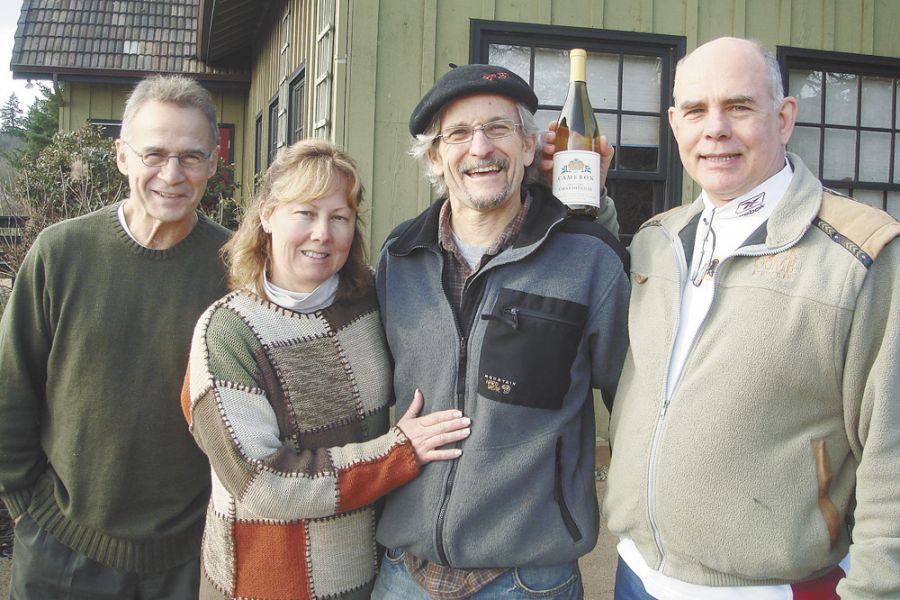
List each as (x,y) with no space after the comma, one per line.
(840,98)
(876,102)
(897,94)
(515,58)
(551,75)
(640,83)
(603,80)
(806,87)
(870,197)
(897,159)
(805,143)
(634,203)
(609,127)
(874,156)
(893,204)
(640,143)
(544,117)
(640,130)
(840,151)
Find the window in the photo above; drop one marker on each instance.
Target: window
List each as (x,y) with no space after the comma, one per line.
(273,131)
(630,79)
(323,85)
(295,105)
(257,145)
(111,129)
(848,123)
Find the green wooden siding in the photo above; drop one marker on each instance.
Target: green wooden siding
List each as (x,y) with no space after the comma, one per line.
(398,48)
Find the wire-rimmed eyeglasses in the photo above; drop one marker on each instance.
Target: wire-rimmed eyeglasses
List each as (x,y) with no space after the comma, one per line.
(705,265)
(187,160)
(460,134)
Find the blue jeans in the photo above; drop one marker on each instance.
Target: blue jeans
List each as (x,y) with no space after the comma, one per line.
(628,585)
(557,582)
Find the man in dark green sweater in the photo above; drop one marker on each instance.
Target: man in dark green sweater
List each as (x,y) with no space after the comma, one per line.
(97,468)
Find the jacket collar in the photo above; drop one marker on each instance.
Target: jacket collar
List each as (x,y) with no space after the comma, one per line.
(422,232)
(790,221)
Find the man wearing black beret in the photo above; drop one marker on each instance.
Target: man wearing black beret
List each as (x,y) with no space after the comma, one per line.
(496,304)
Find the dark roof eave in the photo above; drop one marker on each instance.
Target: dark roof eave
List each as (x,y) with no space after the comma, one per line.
(238,80)
(212,47)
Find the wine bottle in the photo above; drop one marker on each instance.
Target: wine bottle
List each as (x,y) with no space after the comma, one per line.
(576,162)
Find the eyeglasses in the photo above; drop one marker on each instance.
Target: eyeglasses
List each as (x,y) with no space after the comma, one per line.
(460,134)
(187,160)
(706,265)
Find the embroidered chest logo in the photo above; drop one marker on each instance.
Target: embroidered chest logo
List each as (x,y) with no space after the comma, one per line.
(783,265)
(498,385)
(750,205)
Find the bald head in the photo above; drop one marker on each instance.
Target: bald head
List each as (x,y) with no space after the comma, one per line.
(736,53)
(730,118)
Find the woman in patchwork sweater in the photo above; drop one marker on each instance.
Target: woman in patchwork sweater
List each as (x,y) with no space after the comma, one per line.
(288,392)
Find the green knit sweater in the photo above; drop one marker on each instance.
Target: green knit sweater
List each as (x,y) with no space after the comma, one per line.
(93,352)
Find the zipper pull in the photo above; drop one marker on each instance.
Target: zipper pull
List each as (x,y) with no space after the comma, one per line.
(513,312)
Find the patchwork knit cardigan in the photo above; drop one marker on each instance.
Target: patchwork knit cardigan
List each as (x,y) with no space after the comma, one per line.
(292,411)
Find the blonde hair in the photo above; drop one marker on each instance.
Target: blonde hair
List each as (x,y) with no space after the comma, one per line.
(302,172)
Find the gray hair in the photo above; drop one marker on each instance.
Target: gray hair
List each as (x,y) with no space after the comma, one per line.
(171,89)
(773,73)
(424,142)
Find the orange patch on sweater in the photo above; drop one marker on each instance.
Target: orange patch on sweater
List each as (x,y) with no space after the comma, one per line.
(364,483)
(186,394)
(270,561)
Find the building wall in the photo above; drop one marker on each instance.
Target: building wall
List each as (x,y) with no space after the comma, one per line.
(398,48)
(288,44)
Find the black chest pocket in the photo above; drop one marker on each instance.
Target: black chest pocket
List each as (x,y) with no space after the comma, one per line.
(529,347)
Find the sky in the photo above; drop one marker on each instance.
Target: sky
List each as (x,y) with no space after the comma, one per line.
(9,17)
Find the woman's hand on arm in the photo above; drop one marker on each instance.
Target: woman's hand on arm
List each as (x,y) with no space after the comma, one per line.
(431,432)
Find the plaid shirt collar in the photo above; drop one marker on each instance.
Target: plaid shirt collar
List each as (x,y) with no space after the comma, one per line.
(457,270)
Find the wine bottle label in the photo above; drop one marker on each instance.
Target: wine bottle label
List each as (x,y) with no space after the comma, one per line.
(576,176)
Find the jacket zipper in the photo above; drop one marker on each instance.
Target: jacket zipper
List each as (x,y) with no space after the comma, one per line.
(461,405)
(442,511)
(680,262)
(516,312)
(461,387)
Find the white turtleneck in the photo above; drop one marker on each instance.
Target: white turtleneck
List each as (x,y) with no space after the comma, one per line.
(303,302)
(731,225)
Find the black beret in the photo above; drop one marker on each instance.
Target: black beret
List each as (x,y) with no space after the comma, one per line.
(465,81)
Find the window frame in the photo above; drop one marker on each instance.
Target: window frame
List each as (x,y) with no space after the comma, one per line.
(272,130)
(257,143)
(112,128)
(862,65)
(668,48)
(296,113)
